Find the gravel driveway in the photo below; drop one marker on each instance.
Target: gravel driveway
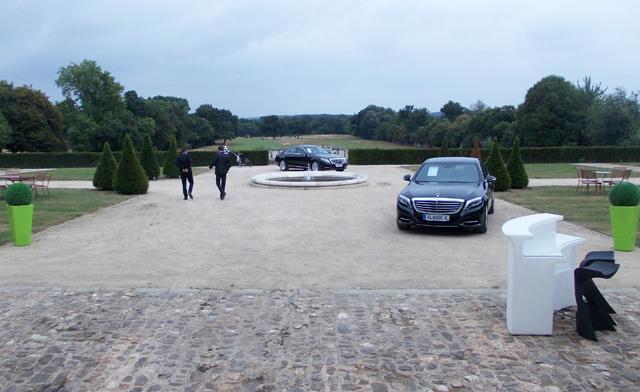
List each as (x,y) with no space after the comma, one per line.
(336,238)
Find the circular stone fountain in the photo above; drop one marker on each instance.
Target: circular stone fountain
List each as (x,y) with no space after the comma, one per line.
(308,179)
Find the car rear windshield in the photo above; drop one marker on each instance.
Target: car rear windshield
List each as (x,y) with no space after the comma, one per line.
(448,172)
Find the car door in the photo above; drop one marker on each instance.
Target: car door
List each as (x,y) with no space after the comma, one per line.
(295,157)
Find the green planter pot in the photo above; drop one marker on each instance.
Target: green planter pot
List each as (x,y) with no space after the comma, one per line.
(624,226)
(20,218)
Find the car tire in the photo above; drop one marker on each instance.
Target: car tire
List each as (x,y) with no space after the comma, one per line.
(493,202)
(483,222)
(283,165)
(315,166)
(403,226)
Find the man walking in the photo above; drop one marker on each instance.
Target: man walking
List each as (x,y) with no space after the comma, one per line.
(183,161)
(222,164)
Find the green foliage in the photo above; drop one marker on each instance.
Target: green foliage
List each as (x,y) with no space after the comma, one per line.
(34,123)
(553,114)
(624,194)
(222,121)
(272,126)
(106,170)
(169,168)
(444,150)
(5,131)
(130,178)
(497,168)
(18,194)
(451,110)
(515,166)
(148,158)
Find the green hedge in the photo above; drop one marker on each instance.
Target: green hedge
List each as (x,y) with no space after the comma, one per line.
(529,155)
(34,160)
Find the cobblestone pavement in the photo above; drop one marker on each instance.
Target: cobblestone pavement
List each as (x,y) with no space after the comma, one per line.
(379,340)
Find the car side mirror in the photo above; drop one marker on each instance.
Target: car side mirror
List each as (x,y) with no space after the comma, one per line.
(491,178)
(407,177)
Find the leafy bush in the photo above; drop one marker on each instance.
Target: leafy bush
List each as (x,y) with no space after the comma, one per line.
(148,158)
(106,170)
(496,167)
(444,149)
(18,194)
(624,194)
(169,168)
(130,178)
(515,166)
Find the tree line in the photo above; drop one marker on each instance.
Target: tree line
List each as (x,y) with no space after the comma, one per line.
(96,109)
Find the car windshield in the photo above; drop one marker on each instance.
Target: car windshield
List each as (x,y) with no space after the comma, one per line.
(447,172)
(315,150)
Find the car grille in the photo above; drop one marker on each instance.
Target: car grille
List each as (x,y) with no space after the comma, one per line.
(437,205)
(338,160)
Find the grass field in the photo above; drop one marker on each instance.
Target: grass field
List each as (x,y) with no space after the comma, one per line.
(590,210)
(86,173)
(60,206)
(343,141)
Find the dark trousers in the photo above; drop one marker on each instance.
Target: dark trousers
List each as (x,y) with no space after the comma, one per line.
(221,182)
(184,178)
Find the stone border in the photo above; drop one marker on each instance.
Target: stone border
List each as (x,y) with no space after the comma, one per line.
(265,179)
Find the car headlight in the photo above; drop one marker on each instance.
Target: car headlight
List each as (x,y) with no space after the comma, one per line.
(476,201)
(405,201)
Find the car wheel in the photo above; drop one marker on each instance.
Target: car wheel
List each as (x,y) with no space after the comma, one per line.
(483,222)
(315,166)
(402,226)
(283,165)
(493,202)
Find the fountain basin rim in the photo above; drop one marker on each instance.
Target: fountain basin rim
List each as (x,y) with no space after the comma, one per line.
(267,179)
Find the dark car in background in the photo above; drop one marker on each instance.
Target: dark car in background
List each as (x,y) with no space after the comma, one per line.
(312,157)
(447,192)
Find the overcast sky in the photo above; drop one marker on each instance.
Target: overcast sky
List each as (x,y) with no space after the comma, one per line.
(292,57)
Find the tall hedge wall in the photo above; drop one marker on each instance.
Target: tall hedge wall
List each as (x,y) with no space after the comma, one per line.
(29,160)
(356,157)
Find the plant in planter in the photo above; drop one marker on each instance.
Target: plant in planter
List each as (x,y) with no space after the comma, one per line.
(624,210)
(19,197)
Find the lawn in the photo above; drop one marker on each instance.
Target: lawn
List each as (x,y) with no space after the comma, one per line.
(587,209)
(60,206)
(86,173)
(343,141)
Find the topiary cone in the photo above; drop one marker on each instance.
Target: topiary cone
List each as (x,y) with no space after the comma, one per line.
(148,158)
(169,168)
(497,168)
(106,169)
(130,178)
(515,167)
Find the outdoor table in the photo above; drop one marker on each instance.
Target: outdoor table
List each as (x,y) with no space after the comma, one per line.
(603,174)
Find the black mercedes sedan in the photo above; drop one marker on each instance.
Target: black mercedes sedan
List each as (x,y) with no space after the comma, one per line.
(447,192)
(310,157)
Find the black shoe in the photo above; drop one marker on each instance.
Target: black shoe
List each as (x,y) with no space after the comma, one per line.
(223,195)
(185,198)
(190,196)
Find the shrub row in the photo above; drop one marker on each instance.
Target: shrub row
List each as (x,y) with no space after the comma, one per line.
(529,155)
(29,160)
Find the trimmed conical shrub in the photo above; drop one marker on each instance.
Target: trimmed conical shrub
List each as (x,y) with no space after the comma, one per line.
(169,168)
(148,158)
(515,166)
(106,170)
(130,178)
(444,150)
(475,152)
(497,168)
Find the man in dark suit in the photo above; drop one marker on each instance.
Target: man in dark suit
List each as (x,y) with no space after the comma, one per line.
(222,164)
(183,161)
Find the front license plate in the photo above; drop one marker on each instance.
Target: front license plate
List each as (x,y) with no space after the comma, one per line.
(436,218)
(338,164)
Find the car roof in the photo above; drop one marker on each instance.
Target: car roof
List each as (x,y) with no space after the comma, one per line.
(452,160)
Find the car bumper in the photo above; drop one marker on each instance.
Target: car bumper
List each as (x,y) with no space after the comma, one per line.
(465,219)
(332,166)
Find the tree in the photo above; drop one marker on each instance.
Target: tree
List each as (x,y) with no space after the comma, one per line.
(106,170)
(497,168)
(224,123)
(35,124)
(5,131)
(130,178)
(615,120)
(553,114)
(271,126)
(591,92)
(366,123)
(148,158)
(444,150)
(93,91)
(451,110)
(169,168)
(515,167)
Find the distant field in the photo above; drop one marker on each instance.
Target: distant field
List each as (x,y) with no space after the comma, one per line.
(86,173)
(344,141)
